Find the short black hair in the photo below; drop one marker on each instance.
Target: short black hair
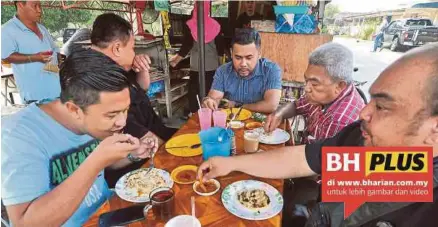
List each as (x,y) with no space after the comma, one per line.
(71,46)
(109,27)
(16,3)
(84,74)
(246,36)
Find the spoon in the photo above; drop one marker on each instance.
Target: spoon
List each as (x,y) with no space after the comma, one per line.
(194,146)
(201,181)
(231,116)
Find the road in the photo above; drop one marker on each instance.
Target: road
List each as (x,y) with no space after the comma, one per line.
(370,64)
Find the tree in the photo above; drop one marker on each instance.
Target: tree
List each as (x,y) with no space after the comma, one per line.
(54,19)
(7,13)
(331,10)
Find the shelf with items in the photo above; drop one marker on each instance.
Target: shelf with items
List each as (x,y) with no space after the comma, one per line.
(157,76)
(178,90)
(156,51)
(291,91)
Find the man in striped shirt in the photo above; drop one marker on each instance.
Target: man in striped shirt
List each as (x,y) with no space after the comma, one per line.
(331,100)
(248,80)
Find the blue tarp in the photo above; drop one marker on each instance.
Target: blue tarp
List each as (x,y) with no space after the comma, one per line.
(426,5)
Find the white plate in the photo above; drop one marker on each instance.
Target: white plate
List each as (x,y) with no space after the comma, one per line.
(278,136)
(131,195)
(232,204)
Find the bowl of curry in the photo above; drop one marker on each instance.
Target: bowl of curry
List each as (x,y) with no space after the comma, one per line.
(210,187)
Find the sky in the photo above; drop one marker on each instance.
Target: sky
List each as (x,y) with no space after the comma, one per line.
(373,5)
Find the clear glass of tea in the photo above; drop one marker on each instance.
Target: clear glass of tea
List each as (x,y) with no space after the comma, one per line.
(251,141)
(162,202)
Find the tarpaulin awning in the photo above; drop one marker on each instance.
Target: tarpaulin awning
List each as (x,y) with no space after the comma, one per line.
(426,5)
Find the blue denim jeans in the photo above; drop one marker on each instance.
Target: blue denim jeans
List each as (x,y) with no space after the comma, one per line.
(378,41)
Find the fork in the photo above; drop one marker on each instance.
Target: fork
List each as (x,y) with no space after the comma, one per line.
(151,165)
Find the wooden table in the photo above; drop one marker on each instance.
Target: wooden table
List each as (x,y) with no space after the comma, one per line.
(209,210)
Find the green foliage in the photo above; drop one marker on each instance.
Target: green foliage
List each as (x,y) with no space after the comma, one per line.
(331,10)
(7,13)
(367,32)
(219,10)
(368,28)
(57,19)
(54,19)
(324,30)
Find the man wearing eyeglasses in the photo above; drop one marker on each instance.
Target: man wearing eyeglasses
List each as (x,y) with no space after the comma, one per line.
(331,100)
(249,80)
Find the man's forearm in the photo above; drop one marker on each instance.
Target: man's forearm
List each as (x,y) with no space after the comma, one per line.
(287,111)
(263,106)
(286,162)
(17,58)
(120,164)
(58,205)
(144,80)
(215,95)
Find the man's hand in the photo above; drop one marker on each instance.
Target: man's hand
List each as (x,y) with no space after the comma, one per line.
(148,147)
(115,148)
(272,122)
(214,167)
(42,57)
(141,63)
(210,103)
(230,104)
(175,60)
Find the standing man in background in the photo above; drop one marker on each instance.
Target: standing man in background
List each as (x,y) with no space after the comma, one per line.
(379,37)
(27,45)
(244,19)
(214,48)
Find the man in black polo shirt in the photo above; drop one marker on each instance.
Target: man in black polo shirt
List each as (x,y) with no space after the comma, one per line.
(403,111)
(113,36)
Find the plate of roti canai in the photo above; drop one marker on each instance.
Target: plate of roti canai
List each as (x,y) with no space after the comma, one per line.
(252,200)
(136,185)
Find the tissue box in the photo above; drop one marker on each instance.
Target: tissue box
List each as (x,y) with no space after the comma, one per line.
(305,24)
(284,23)
(296,23)
(291,10)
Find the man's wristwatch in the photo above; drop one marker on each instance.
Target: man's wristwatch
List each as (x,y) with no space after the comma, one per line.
(238,104)
(133,159)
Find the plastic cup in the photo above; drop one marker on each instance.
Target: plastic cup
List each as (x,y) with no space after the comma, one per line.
(204,118)
(219,119)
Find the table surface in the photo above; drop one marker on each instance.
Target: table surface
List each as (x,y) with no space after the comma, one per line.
(6,72)
(209,210)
